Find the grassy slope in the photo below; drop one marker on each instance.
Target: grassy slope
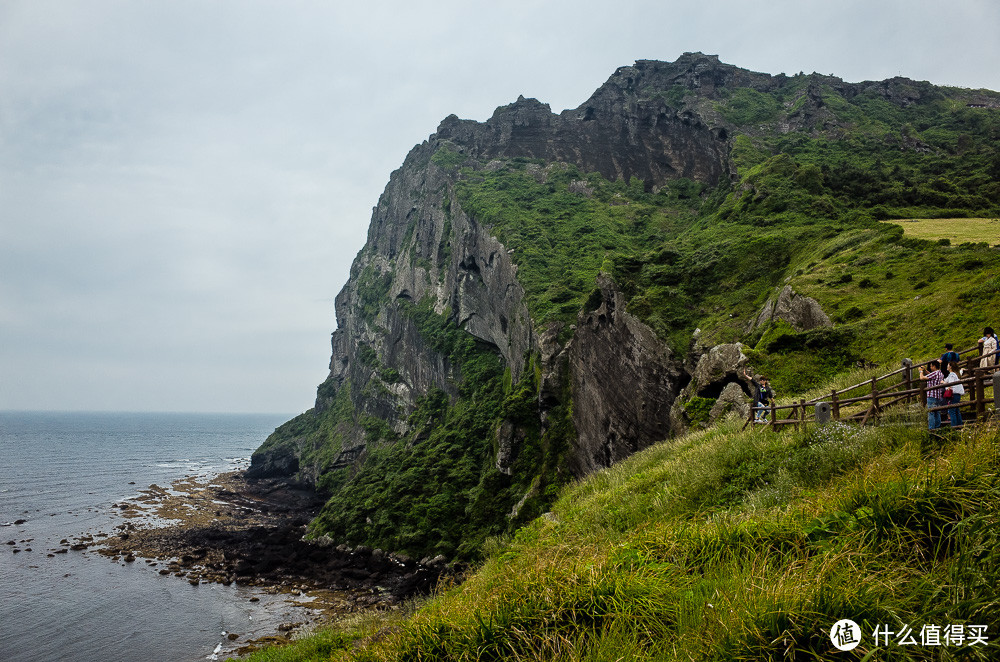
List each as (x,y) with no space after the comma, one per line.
(729,546)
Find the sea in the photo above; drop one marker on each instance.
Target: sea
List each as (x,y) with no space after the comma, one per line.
(61,476)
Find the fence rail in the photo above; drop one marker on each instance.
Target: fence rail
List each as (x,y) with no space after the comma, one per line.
(881,393)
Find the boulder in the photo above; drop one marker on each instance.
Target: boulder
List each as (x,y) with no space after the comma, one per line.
(717,366)
(802,313)
(718,374)
(731,400)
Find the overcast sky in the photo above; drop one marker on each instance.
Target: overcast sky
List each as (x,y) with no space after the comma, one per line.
(184,184)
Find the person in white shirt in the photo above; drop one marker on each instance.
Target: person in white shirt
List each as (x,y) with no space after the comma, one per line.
(989,344)
(952,381)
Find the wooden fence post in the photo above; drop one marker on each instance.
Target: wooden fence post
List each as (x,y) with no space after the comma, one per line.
(980,396)
(835,405)
(874,395)
(996,393)
(802,412)
(774,418)
(908,377)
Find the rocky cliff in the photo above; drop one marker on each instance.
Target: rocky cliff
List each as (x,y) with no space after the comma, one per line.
(423,247)
(522,310)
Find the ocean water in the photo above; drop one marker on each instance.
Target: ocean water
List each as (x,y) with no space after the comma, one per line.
(62,473)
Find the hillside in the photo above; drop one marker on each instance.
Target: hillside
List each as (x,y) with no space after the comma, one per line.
(725,545)
(543,295)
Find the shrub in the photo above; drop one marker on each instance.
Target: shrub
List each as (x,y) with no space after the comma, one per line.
(697,410)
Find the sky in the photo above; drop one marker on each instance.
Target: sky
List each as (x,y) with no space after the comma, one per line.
(184,184)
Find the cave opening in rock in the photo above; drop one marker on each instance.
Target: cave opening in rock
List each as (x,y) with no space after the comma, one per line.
(714,389)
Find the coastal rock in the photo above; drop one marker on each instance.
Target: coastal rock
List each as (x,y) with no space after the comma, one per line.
(273,463)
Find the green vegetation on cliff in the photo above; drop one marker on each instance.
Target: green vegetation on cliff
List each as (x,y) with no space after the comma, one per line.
(436,489)
(711,261)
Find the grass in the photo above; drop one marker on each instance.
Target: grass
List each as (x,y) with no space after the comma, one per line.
(732,546)
(956,230)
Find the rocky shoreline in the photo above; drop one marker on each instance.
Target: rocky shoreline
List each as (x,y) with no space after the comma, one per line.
(230,530)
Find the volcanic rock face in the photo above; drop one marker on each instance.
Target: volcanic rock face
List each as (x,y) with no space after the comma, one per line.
(610,379)
(624,381)
(422,247)
(618,132)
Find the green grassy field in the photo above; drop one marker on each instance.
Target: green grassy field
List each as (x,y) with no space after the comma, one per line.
(956,230)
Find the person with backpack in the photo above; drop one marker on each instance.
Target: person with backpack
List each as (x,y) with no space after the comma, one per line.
(950,355)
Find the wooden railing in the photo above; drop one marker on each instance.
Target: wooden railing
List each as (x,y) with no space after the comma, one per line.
(867,401)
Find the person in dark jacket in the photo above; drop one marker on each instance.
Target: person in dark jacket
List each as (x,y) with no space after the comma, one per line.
(950,355)
(763,396)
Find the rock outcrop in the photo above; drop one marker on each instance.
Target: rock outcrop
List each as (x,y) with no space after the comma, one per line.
(717,375)
(732,400)
(624,381)
(801,312)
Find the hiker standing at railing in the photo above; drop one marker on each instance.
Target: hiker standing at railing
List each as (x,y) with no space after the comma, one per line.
(763,396)
(952,383)
(988,344)
(933,379)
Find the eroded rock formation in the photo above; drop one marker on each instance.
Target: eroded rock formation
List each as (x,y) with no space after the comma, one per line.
(801,312)
(624,381)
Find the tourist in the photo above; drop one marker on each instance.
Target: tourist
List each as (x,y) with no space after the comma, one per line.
(988,348)
(946,394)
(934,399)
(763,396)
(953,392)
(949,356)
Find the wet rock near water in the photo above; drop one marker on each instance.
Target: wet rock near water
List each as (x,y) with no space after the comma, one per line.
(231,530)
